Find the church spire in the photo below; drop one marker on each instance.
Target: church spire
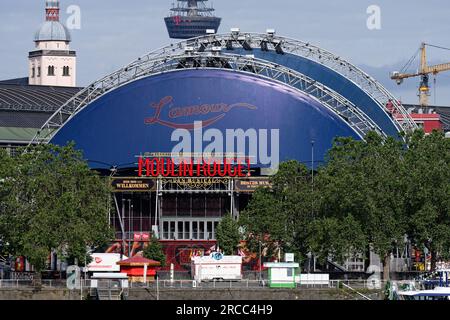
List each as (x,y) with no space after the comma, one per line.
(52,10)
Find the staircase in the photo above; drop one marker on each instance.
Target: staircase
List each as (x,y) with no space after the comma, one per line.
(336,266)
(108,290)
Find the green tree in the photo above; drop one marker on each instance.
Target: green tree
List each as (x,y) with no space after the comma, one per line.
(7,174)
(336,239)
(428,194)
(280,217)
(366,179)
(263,222)
(154,251)
(228,235)
(55,203)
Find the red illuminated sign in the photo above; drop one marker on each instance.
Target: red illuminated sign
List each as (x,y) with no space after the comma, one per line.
(220,109)
(166,167)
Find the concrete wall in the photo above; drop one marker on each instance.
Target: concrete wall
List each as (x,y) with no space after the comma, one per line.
(189,294)
(44,294)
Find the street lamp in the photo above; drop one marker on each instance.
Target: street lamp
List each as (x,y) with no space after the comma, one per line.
(312,201)
(130,221)
(260,276)
(123,228)
(312,163)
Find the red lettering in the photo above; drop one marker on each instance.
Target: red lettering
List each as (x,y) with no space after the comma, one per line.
(166,167)
(239,169)
(186,169)
(231,173)
(141,164)
(222,173)
(152,168)
(165,172)
(213,166)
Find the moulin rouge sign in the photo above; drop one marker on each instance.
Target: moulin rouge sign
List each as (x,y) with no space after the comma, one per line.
(167,167)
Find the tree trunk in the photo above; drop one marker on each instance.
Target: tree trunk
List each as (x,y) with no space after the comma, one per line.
(387,267)
(37,280)
(433,259)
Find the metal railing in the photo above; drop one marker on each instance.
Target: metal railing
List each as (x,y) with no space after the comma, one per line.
(359,284)
(17,283)
(192,284)
(213,284)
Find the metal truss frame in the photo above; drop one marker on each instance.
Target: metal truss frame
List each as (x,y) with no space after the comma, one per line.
(309,51)
(214,59)
(271,41)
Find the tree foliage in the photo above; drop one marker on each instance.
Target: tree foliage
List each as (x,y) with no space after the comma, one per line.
(154,251)
(279,218)
(373,194)
(428,193)
(365,179)
(52,201)
(228,235)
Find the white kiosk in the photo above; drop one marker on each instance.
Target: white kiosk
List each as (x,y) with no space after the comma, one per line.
(283,274)
(216,267)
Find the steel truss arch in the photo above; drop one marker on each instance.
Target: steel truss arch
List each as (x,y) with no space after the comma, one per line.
(270,41)
(332,100)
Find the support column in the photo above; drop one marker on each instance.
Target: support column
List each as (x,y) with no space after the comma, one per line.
(230,190)
(155,226)
(122,226)
(236,206)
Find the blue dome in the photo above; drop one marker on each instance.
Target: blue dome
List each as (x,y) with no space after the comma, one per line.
(52,31)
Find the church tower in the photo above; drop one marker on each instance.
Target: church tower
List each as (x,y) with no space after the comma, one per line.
(52,63)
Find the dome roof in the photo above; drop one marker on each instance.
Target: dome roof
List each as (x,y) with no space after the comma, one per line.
(52,31)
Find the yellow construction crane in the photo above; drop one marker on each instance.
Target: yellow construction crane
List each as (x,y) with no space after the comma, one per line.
(424,72)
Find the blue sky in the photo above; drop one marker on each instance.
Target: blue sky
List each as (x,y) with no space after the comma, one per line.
(115,32)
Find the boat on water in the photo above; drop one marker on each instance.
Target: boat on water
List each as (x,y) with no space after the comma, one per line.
(437,288)
(190,19)
(438,293)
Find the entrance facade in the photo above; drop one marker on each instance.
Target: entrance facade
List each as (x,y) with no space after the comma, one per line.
(183,213)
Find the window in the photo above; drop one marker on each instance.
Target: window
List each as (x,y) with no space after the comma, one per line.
(33,72)
(180,230)
(202,230)
(51,70)
(209,230)
(66,72)
(172,233)
(289,272)
(187,230)
(166,230)
(183,206)
(198,206)
(39,72)
(194,230)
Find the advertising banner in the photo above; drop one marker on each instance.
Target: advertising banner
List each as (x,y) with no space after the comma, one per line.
(212,112)
(251,184)
(104,262)
(133,184)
